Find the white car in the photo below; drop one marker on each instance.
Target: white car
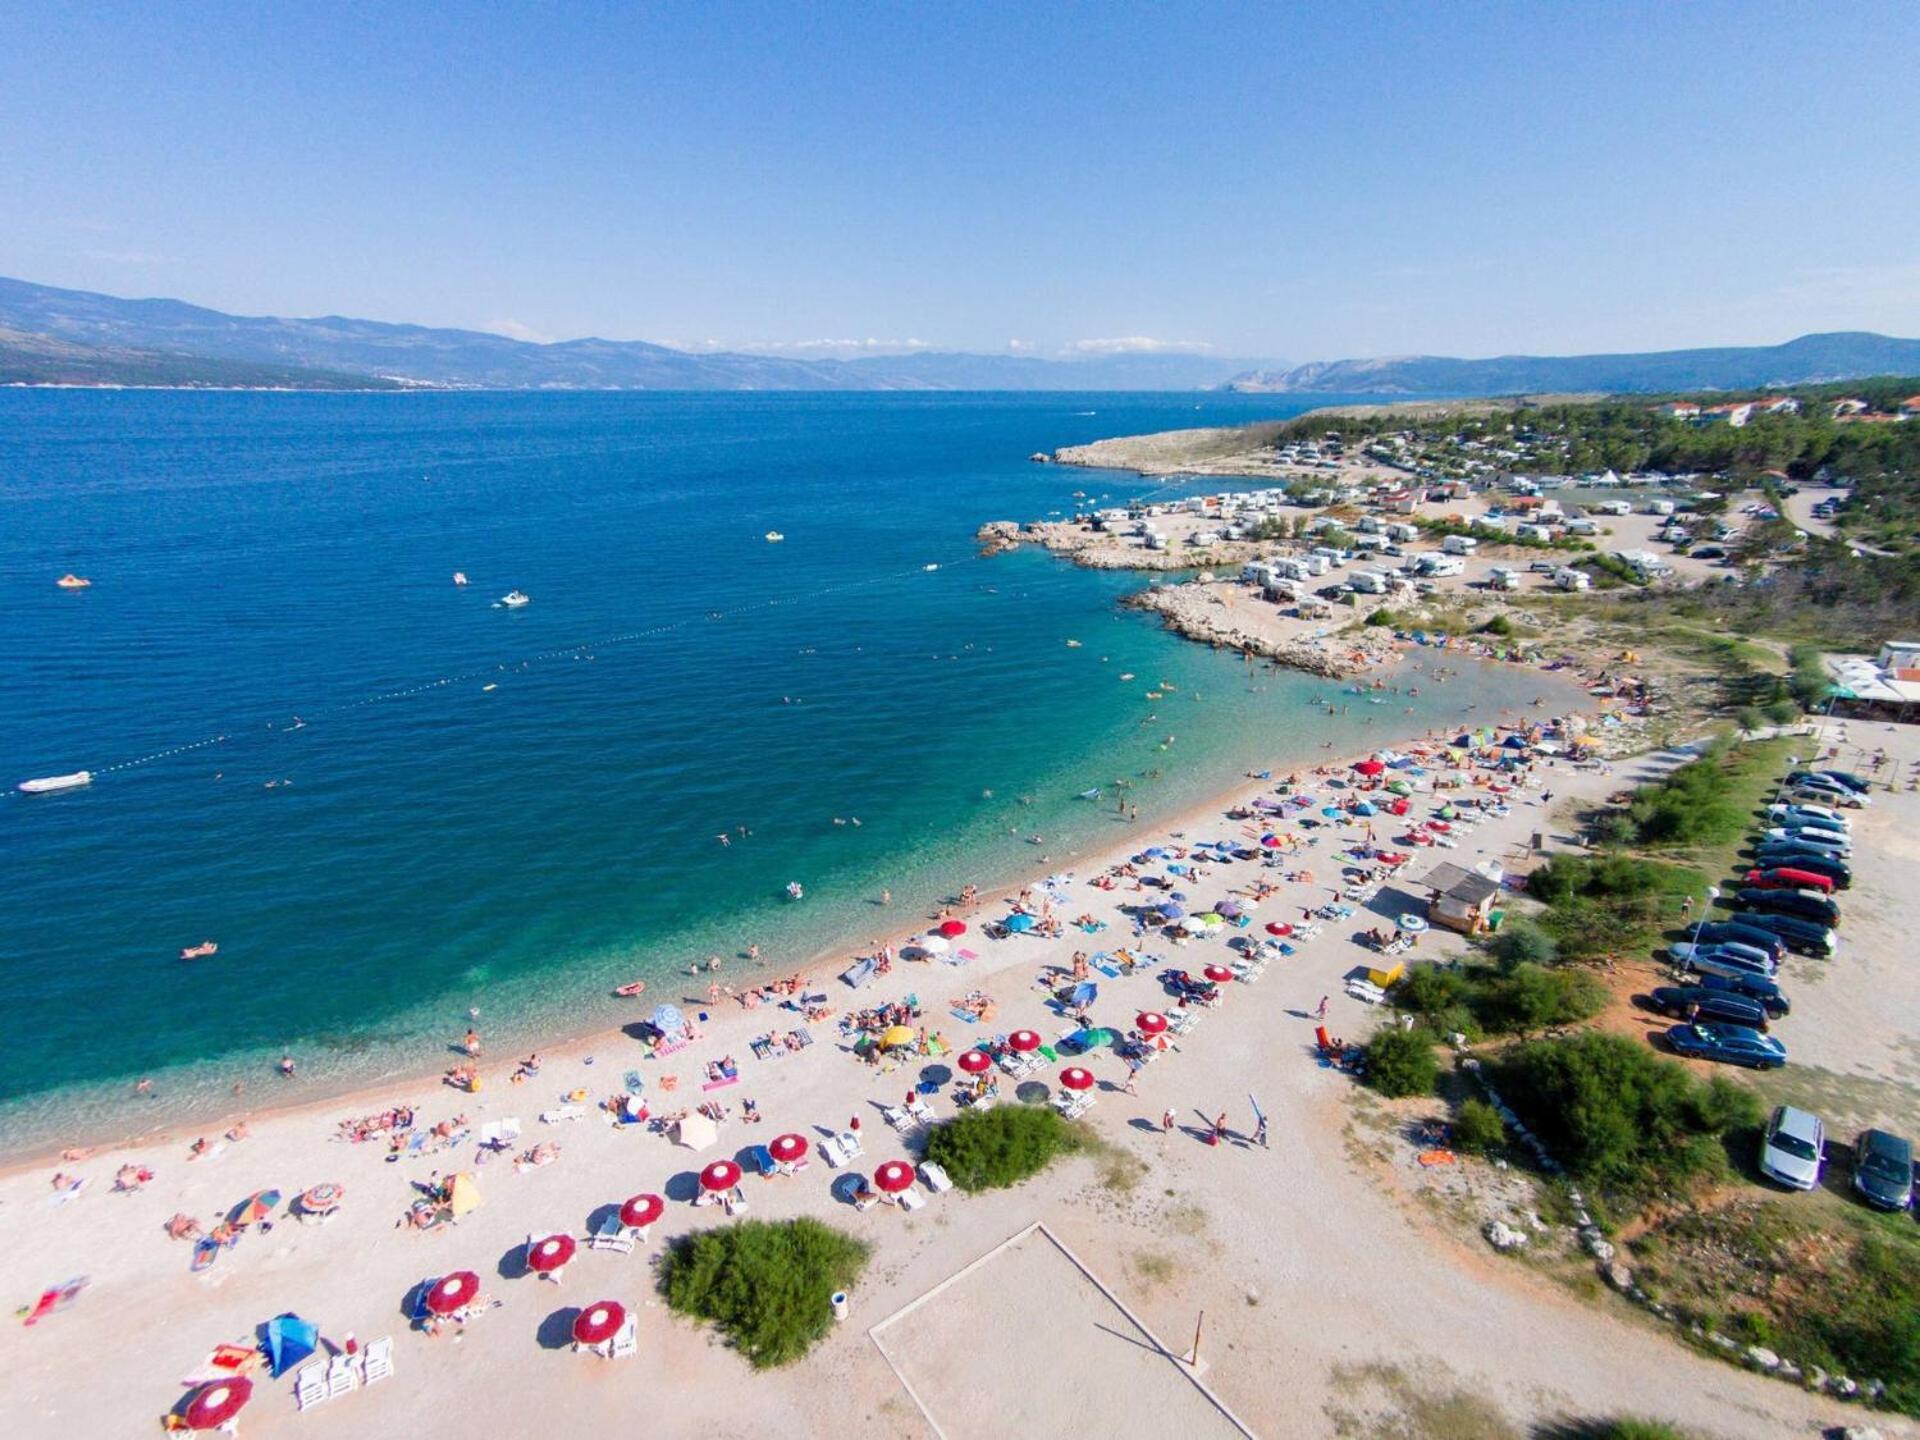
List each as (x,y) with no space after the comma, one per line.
(1823,840)
(1793,1148)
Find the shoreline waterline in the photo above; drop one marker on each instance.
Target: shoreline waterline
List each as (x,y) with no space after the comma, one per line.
(552,1033)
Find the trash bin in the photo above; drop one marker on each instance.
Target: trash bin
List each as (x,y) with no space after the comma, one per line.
(839,1303)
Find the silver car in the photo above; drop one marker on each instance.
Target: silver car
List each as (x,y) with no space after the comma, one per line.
(1793,1148)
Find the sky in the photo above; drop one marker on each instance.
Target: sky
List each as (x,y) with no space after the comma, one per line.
(1267,180)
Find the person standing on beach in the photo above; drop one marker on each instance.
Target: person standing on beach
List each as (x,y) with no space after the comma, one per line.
(1321,1013)
(1133,1076)
(1260,1132)
(1166,1122)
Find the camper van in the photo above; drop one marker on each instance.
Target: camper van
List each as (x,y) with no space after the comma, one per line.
(1502,577)
(1441,566)
(1368,582)
(1459,544)
(1571,579)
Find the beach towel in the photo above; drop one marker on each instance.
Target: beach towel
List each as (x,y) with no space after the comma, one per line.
(721,1083)
(965,1015)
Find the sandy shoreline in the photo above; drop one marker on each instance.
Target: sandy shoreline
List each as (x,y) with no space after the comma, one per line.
(729,1024)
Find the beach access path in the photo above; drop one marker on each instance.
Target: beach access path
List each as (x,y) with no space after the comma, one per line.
(1308,1267)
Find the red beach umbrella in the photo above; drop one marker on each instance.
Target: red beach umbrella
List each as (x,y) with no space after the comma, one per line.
(1370,767)
(1150,1022)
(893,1177)
(1075,1078)
(214,1405)
(787,1148)
(1023,1041)
(1271,842)
(720,1175)
(551,1254)
(953,929)
(1218,974)
(642,1210)
(599,1322)
(453,1292)
(1279,927)
(322,1199)
(975,1062)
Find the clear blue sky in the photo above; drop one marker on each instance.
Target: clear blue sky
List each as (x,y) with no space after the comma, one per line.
(1294,180)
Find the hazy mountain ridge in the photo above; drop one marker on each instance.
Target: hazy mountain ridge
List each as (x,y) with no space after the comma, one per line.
(476,359)
(1841,355)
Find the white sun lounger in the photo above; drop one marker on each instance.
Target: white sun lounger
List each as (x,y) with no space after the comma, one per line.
(565,1112)
(626,1341)
(836,1157)
(310,1386)
(898,1118)
(934,1177)
(920,1110)
(850,1145)
(378,1363)
(910,1200)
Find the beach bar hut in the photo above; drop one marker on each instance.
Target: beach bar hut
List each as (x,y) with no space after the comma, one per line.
(1462,899)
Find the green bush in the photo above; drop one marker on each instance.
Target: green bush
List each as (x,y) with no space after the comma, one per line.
(1533,997)
(1783,712)
(1383,617)
(1620,1117)
(992,1149)
(766,1285)
(1401,1062)
(1751,718)
(1498,625)
(1477,1128)
(1521,942)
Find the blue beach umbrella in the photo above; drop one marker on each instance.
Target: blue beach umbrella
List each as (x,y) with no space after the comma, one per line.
(1020,924)
(1170,911)
(1084,994)
(668,1020)
(289,1341)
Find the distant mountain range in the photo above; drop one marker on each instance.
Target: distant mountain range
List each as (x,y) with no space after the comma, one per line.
(78,337)
(1843,355)
(85,338)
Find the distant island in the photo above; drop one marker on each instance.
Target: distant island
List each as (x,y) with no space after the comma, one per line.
(51,336)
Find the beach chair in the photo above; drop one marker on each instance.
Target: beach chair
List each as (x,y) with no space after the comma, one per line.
(910,1200)
(343,1376)
(920,1111)
(736,1203)
(865,1199)
(626,1341)
(377,1361)
(610,1234)
(898,1118)
(830,1147)
(565,1112)
(934,1178)
(310,1386)
(500,1132)
(850,1144)
(762,1160)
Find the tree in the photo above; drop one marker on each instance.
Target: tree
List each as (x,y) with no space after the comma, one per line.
(1521,942)
(1400,1062)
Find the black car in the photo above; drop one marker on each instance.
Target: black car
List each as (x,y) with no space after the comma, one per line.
(1800,857)
(1725,932)
(1883,1170)
(1696,1002)
(1759,988)
(1847,778)
(1789,902)
(1803,937)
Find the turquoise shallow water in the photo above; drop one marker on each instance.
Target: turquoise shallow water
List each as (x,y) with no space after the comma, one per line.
(257,558)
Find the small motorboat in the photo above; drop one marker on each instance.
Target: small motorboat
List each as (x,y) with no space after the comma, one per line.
(514,599)
(200,951)
(459,577)
(929,568)
(774,537)
(71,581)
(632,988)
(794,892)
(56,782)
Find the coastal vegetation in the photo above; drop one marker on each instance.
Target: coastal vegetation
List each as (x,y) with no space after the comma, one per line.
(767,1286)
(993,1149)
(1401,1063)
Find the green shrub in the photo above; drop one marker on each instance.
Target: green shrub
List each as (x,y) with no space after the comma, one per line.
(1383,617)
(1750,718)
(1783,712)
(1620,1117)
(1498,625)
(1477,1128)
(1401,1062)
(1521,942)
(766,1285)
(1533,997)
(992,1149)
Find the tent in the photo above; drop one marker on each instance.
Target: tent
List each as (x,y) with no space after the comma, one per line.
(695,1131)
(1084,994)
(289,1341)
(463,1195)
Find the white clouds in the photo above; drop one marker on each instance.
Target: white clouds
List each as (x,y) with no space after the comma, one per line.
(514,330)
(1138,345)
(821,349)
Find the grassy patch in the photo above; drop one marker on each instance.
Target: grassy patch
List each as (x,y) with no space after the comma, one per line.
(992,1149)
(1428,1406)
(1601,907)
(766,1285)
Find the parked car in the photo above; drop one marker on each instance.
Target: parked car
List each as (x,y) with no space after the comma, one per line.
(1763,988)
(1698,1004)
(1790,902)
(1795,857)
(1836,797)
(1720,932)
(1847,778)
(1787,878)
(1722,960)
(1728,1044)
(1809,812)
(1832,784)
(1793,1148)
(1803,937)
(1883,1170)
(1826,841)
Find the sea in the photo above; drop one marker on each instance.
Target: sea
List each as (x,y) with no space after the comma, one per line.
(390,799)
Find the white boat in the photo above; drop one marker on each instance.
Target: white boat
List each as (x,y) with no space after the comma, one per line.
(774,537)
(56,782)
(514,599)
(794,891)
(929,567)
(459,577)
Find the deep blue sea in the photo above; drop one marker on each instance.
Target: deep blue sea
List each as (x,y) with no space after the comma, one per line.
(286,703)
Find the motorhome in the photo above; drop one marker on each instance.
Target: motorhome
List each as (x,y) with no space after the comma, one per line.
(1503,577)
(1459,544)
(1571,579)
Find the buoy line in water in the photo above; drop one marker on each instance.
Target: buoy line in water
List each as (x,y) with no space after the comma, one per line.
(557,653)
